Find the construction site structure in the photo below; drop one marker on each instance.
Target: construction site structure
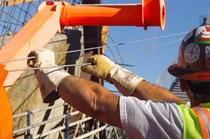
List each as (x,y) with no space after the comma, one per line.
(74,30)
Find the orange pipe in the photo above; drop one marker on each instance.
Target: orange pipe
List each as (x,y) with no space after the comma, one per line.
(149,13)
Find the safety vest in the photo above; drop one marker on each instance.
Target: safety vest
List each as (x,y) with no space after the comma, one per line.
(196,121)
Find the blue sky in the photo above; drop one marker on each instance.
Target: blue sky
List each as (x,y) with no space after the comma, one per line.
(181,17)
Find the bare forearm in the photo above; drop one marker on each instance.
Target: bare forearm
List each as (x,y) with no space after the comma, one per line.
(148,91)
(91,99)
(71,91)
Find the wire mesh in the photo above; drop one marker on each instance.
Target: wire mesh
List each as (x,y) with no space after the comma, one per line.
(14,14)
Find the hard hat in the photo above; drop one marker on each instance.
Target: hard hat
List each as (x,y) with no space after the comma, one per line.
(194,56)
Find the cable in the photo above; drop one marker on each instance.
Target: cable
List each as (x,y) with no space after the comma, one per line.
(116,44)
(149,48)
(60,66)
(116,48)
(123,43)
(152,38)
(18,59)
(72,65)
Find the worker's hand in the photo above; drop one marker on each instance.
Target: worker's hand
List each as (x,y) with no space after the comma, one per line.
(100,66)
(36,57)
(48,78)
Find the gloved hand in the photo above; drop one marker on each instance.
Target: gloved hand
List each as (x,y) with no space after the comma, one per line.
(102,67)
(48,78)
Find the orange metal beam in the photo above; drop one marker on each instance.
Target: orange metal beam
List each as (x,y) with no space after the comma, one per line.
(35,34)
(52,16)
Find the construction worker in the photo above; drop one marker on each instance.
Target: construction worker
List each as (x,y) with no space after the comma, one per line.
(144,110)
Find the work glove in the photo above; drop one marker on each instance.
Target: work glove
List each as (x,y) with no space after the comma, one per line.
(48,78)
(102,67)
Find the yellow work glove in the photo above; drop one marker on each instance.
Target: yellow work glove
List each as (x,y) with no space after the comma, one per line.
(102,67)
(48,78)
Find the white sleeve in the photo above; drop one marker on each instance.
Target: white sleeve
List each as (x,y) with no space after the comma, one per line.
(150,120)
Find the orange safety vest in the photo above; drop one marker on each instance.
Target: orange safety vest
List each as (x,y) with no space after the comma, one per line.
(204,119)
(196,121)
(6,123)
